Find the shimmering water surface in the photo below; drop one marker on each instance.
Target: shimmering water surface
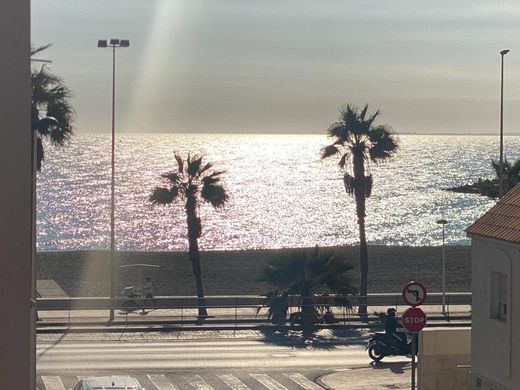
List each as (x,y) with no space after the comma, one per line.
(281,193)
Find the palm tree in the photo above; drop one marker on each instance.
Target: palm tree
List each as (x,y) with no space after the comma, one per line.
(192,182)
(52,115)
(359,141)
(511,173)
(306,273)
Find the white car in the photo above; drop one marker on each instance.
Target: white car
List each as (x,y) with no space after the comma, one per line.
(118,382)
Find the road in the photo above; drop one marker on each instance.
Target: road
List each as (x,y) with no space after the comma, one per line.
(206,364)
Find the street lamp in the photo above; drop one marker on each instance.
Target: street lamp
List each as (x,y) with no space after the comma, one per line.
(443,222)
(113,43)
(501,170)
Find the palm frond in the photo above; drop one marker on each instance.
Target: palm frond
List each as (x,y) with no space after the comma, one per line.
(216,174)
(172,176)
(180,163)
(337,130)
(204,168)
(343,160)
(384,144)
(194,165)
(214,194)
(328,151)
(163,196)
(350,183)
(368,185)
(38,49)
(64,114)
(208,180)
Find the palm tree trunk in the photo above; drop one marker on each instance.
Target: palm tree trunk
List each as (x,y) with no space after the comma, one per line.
(308,312)
(193,235)
(360,195)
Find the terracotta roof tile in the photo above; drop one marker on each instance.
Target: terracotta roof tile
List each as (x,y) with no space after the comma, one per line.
(502,221)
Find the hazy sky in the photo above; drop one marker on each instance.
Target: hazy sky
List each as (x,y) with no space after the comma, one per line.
(285,65)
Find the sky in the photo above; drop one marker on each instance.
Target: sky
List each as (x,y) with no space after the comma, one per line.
(285,66)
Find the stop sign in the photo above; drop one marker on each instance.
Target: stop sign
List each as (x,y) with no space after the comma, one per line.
(413,319)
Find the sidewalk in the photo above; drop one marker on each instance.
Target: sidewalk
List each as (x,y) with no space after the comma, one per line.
(241,314)
(384,376)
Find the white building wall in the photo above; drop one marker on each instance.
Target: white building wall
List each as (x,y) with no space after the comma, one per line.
(495,349)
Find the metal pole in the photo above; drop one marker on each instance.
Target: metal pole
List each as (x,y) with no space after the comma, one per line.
(443,273)
(112,186)
(413,361)
(501,168)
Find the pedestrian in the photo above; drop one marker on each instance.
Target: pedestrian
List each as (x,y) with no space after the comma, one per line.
(147,288)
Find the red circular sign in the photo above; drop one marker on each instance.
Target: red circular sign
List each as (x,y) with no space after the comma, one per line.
(413,319)
(414,294)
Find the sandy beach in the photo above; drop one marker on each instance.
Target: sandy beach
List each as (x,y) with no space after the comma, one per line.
(86,273)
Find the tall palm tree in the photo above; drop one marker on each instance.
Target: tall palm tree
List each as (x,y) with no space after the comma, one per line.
(192,182)
(52,115)
(359,141)
(307,274)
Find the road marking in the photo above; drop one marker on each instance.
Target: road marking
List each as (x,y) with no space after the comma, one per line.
(268,382)
(233,382)
(53,383)
(161,382)
(198,383)
(304,382)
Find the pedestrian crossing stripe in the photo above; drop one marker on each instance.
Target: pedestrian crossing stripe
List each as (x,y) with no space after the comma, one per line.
(268,382)
(161,382)
(233,382)
(198,383)
(303,381)
(53,383)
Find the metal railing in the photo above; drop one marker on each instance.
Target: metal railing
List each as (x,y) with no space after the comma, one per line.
(235,309)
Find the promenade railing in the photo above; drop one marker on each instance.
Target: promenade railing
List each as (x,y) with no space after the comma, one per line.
(234,309)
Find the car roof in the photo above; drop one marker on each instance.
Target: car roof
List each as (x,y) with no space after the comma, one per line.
(111,382)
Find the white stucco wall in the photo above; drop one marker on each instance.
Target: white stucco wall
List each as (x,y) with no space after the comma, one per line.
(495,348)
(444,358)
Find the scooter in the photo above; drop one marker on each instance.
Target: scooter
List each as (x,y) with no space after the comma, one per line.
(382,344)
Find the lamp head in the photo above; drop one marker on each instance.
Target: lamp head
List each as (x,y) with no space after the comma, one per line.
(442,222)
(102,43)
(124,43)
(114,42)
(504,52)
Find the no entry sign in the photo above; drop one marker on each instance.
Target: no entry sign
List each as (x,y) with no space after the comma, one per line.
(413,319)
(414,294)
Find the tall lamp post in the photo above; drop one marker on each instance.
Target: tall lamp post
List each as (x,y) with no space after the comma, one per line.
(443,222)
(501,170)
(113,43)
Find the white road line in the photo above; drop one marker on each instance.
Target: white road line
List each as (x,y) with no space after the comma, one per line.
(307,384)
(53,383)
(161,382)
(268,382)
(198,383)
(233,382)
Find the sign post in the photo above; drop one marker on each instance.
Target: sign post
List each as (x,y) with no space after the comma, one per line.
(414,319)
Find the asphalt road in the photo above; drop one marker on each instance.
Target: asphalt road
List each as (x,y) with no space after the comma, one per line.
(237,364)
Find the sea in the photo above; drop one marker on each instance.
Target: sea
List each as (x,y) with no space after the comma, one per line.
(281,194)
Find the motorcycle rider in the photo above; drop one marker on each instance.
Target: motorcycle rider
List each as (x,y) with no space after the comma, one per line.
(391,325)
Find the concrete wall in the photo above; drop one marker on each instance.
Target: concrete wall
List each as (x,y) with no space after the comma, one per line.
(16,332)
(444,358)
(495,347)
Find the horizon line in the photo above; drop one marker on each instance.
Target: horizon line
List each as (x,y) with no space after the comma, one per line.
(512,134)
